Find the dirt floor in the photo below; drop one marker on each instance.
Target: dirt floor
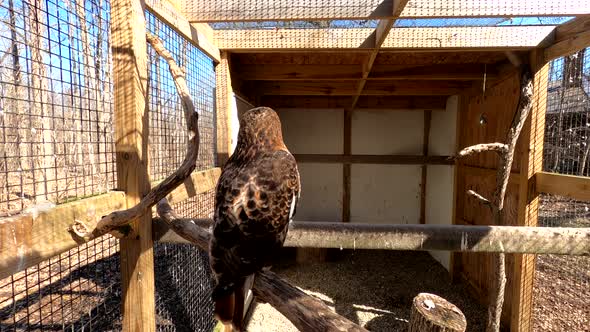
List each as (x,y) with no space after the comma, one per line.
(372,288)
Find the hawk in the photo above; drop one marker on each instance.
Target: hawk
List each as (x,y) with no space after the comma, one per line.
(255,200)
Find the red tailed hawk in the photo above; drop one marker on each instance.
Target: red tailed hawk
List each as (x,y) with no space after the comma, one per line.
(255,200)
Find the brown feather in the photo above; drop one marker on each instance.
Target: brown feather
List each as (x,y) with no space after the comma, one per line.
(253,202)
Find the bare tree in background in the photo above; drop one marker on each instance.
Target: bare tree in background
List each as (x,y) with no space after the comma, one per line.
(43,156)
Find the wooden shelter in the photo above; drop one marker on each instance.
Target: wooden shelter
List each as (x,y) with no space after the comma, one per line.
(375,97)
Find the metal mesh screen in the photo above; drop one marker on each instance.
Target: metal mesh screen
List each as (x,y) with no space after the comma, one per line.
(56,145)
(562,283)
(55,102)
(183,281)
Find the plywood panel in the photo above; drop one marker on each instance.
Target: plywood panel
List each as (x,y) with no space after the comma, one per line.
(385,194)
(487,119)
(439,203)
(317,131)
(321,191)
(380,132)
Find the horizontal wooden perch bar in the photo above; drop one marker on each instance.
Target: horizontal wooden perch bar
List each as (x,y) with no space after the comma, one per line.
(374,159)
(304,311)
(506,239)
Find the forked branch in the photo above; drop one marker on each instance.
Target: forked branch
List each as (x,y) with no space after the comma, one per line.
(120,218)
(506,154)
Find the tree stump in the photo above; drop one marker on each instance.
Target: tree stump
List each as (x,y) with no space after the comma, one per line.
(432,313)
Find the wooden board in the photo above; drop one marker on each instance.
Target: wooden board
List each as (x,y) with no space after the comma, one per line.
(129,49)
(223,108)
(265,72)
(494,8)
(496,106)
(575,187)
(373,159)
(372,88)
(532,139)
(198,183)
(41,232)
(273,10)
(435,103)
(444,38)
(569,38)
(201,35)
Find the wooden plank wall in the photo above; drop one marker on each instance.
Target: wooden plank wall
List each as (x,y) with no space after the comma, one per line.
(485,117)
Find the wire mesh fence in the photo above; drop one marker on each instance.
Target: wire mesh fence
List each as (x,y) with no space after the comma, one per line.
(56,145)
(56,135)
(183,280)
(562,283)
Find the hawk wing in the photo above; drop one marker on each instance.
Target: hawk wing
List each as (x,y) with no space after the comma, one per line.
(253,206)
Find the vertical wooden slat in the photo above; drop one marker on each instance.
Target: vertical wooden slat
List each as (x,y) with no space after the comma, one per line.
(347,140)
(458,178)
(131,132)
(425,143)
(223,102)
(532,162)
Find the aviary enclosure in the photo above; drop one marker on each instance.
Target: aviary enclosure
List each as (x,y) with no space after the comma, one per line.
(378,101)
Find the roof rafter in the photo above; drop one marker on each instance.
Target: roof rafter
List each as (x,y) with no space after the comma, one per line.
(431,39)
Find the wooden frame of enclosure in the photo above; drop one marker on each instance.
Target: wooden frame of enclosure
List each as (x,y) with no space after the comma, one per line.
(358,82)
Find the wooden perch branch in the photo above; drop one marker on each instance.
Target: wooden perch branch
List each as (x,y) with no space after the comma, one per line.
(305,312)
(499,148)
(459,238)
(120,218)
(506,153)
(479,197)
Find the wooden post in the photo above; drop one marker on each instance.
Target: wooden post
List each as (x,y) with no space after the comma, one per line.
(223,102)
(131,131)
(432,313)
(425,143)
(528,206)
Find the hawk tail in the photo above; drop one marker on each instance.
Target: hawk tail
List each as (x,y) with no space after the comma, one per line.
(229,304)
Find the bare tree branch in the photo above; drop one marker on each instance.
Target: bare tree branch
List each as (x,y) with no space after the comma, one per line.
(479,197)
(124,217)
(524,107)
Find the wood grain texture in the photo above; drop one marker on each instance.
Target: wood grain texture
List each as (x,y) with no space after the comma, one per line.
(569,38)
(41,232)
(131,139)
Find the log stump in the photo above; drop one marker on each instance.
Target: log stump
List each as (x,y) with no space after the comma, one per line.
(432,313)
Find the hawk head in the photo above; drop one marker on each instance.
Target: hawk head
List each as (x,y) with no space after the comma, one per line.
(261,128)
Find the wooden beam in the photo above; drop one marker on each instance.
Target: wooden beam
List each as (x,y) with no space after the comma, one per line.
(269,10)
(457,238)
(570,37)
(466,72)
(41,232)
(201,35)
(131,135)
(494,8)
(223,108)
(571,186)
(531,163)
(372,88)
(347,153)
(373,159)
(436,103)
(424,177)
(198,183)
(410,39)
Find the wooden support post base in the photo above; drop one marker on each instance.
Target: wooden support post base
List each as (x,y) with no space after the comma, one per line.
(432,313)
(311,255)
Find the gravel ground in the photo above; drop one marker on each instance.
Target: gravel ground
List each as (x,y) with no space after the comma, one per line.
(372,288)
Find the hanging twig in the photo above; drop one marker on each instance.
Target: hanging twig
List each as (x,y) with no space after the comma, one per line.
(506,153)
(120,218)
